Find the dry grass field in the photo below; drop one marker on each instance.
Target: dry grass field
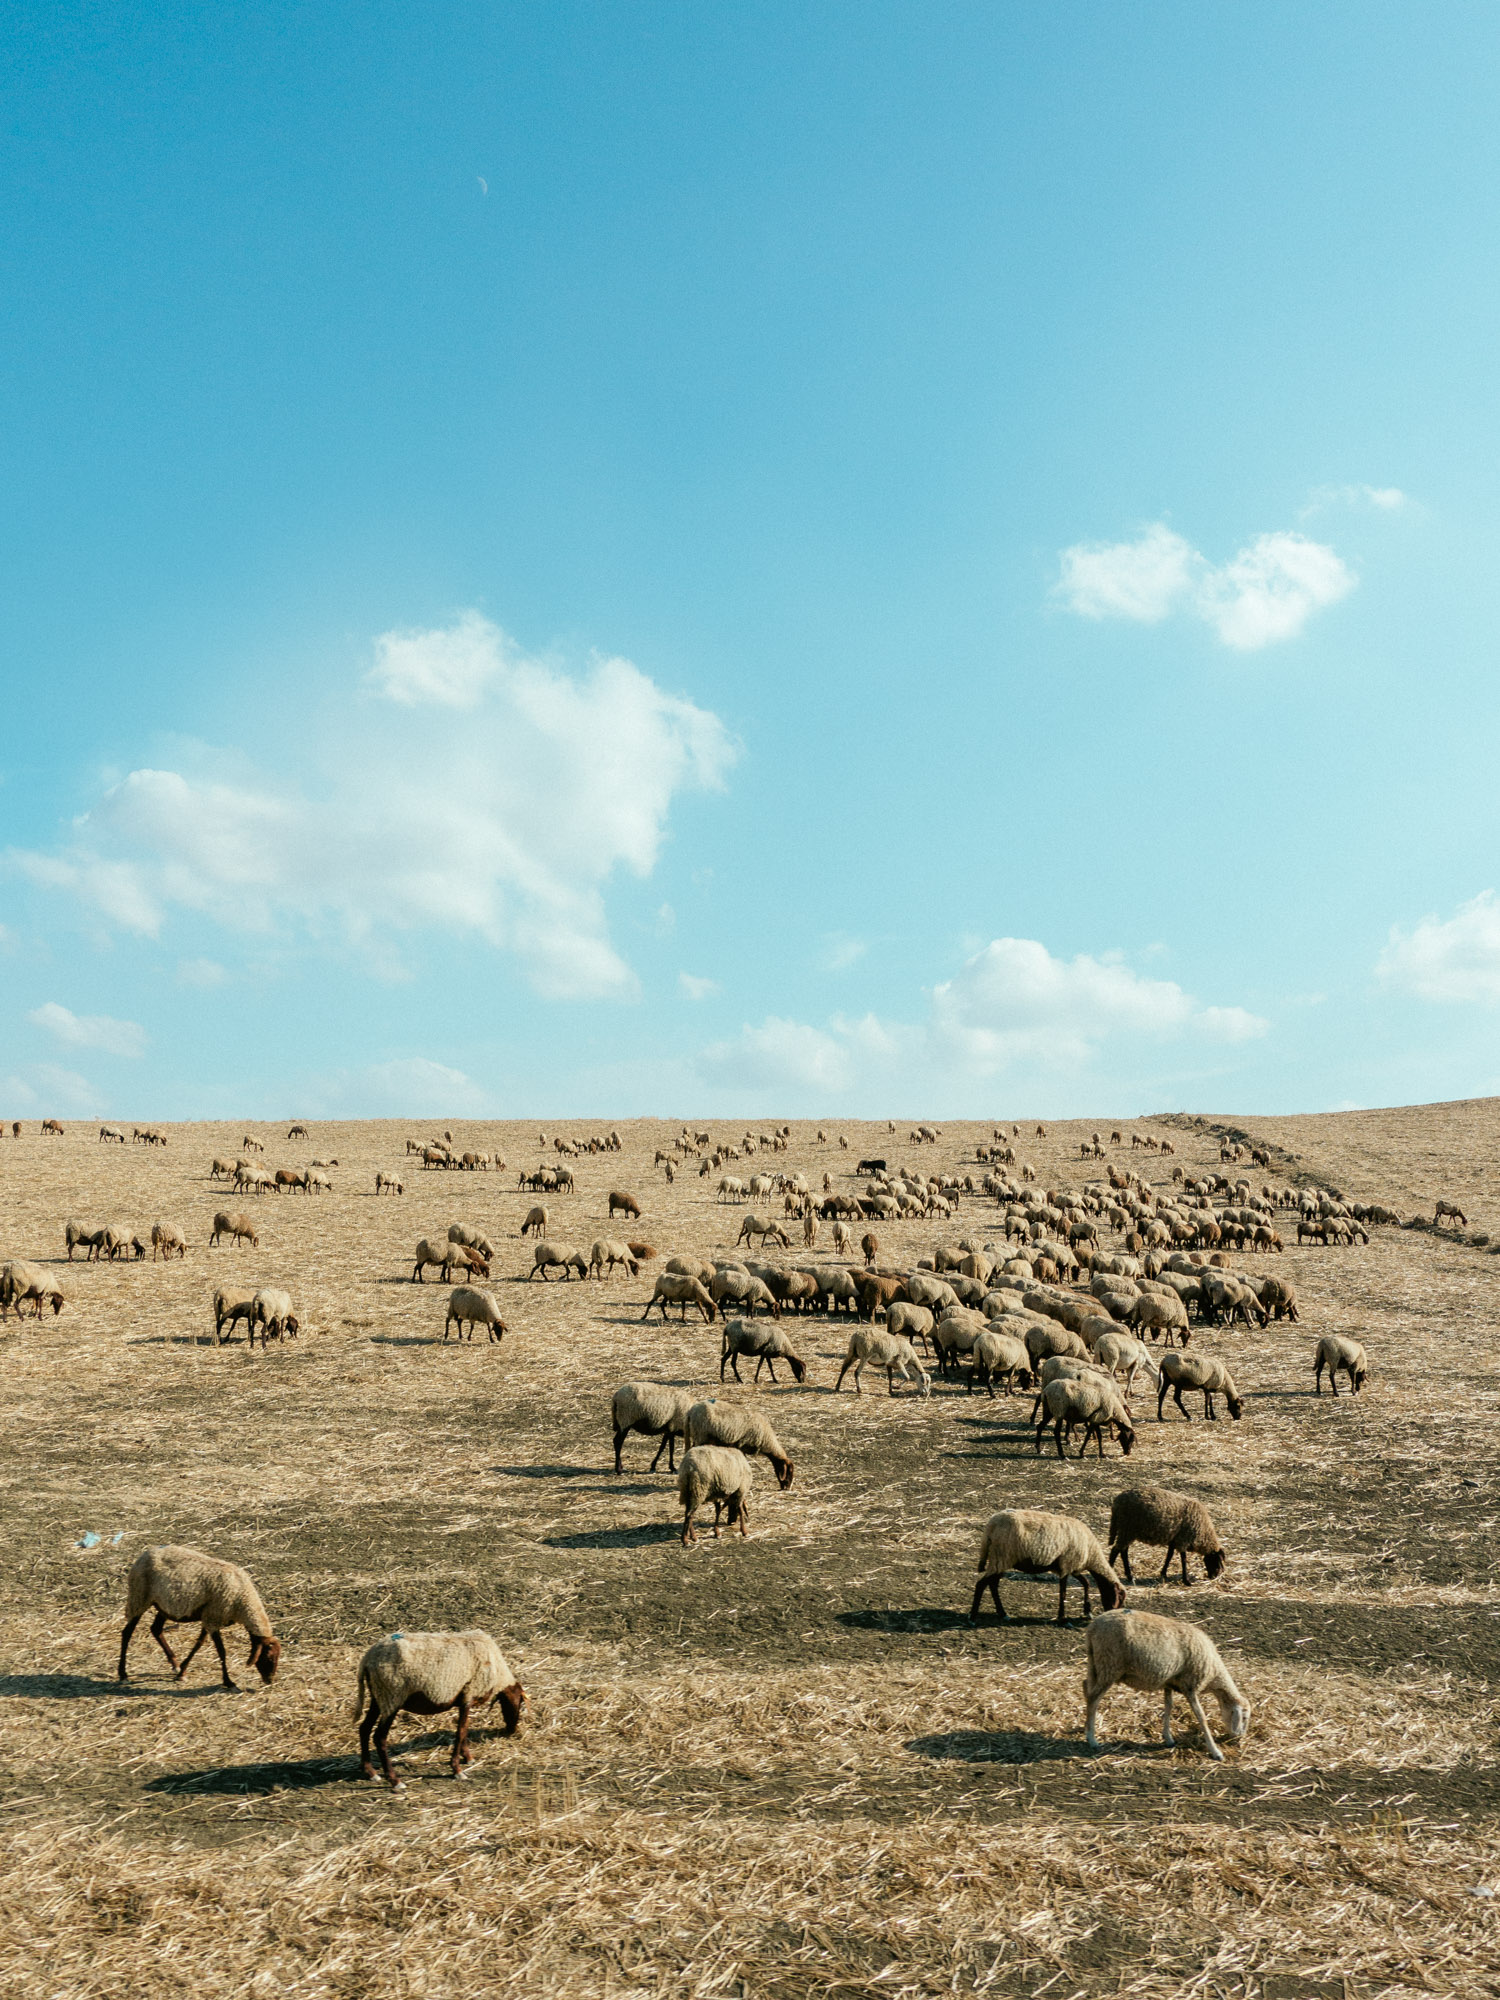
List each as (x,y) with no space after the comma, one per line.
(779,1767)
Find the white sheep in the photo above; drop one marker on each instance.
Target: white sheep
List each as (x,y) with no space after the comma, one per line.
(552,1256)
(536,1222)
(1041,1544)
(1091,1401)
(167,1241)
(998,1353)
(1197,1371)
(468,1307)
(892,1352)
(605,1252)
(1335,1353)
(181,1585)
(680,1289)
(718,1473)
(429,1673)
(746,1429)
(1152,1653)
(271,1310)
(656,1410)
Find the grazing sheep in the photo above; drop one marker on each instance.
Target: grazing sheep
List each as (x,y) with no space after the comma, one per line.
(869,1243)
(1042,1544)
(743,1428)
(167,1241)
(1444,1208)
(271,1311)
(111,1135)
(79,1236)
(470,1238)
(181,1585)
(468,1307)
(1153,1314)
(1091,1401)
(388,1184)
(738,1288)
(230,1306)
(1152,1653)
(681,1289)
(653,1408)
(536,1222)
(623,1204)
(1335,1353)
(718,1473)
(605,1253)
(765,1229)
(238,1227)
(1173,1521)
(914,1322)
(1198,1371)
(1120,1353)
(428,1673)
(996,1353)
(641,1251)
(1278,1298)
(223,1170)
(768,1344)
(552,1257)
(23,1284)
(443,1255)
(889,1351)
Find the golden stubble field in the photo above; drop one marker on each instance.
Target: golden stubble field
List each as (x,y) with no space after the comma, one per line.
(780,1767)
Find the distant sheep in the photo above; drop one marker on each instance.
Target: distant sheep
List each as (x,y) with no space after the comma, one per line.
(1166,1654)
(746,1429)
(1171,1521)
(621,1203)
(720,1474)
(678,1288)
(167,1241)
(892,1352)
(1198,1371)
(1335,1353)
(182,1584)
(605,1253)
(768,1344)
(655,1409)
(237,1227)
(467,1308)
(428,1673)
(1043,1544)
(552,1257)
(271,1311)
(536,1222)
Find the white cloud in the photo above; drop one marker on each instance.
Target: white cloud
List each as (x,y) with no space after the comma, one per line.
(1266,592)
(1271,589)
(1145,579)
(1385,499)
(204,973)
(1452,959)
(1014,1001)
(508,826)
(48,1091)
(407,1087)
(778,1055)
(696,988)
(841,951)
(90,1031)
(1011,1012)
(451,667)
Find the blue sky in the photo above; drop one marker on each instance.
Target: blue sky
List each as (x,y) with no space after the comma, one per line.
(617,559)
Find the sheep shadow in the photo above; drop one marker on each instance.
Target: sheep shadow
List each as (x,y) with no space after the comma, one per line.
(405,1340)
(548,1471)
(303,1775)
(85,1687)
(918,1619)
(995,1746)
(647,1535)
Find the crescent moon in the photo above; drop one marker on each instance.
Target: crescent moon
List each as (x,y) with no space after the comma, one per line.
(484,186)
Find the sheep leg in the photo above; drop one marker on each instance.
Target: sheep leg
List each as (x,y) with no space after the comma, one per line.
(1062,1599)
(1120,1556)
(125,1637)
(1208,1407)
(158,1627)
(218,1639)
(990,1583)
(1090,1731)
(1177,1399)
(382,1732)
(1166,1717)
(188,1660)
(1191,1697)
(461,1752)
(620,1437)
(840,1382)
(366,1767)
(666,1441)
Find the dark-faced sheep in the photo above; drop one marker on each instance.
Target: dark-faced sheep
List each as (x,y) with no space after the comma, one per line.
(1173,1521)
(427,1673)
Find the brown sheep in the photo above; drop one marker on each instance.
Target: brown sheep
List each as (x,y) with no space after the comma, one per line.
(623,1204)
(239,1227)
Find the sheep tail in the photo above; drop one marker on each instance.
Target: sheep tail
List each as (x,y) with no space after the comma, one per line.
(362,1688)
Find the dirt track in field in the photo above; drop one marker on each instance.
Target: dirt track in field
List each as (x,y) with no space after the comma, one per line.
(813,1695)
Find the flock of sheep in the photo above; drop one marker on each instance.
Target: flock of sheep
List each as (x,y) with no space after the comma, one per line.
(1042,1307)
